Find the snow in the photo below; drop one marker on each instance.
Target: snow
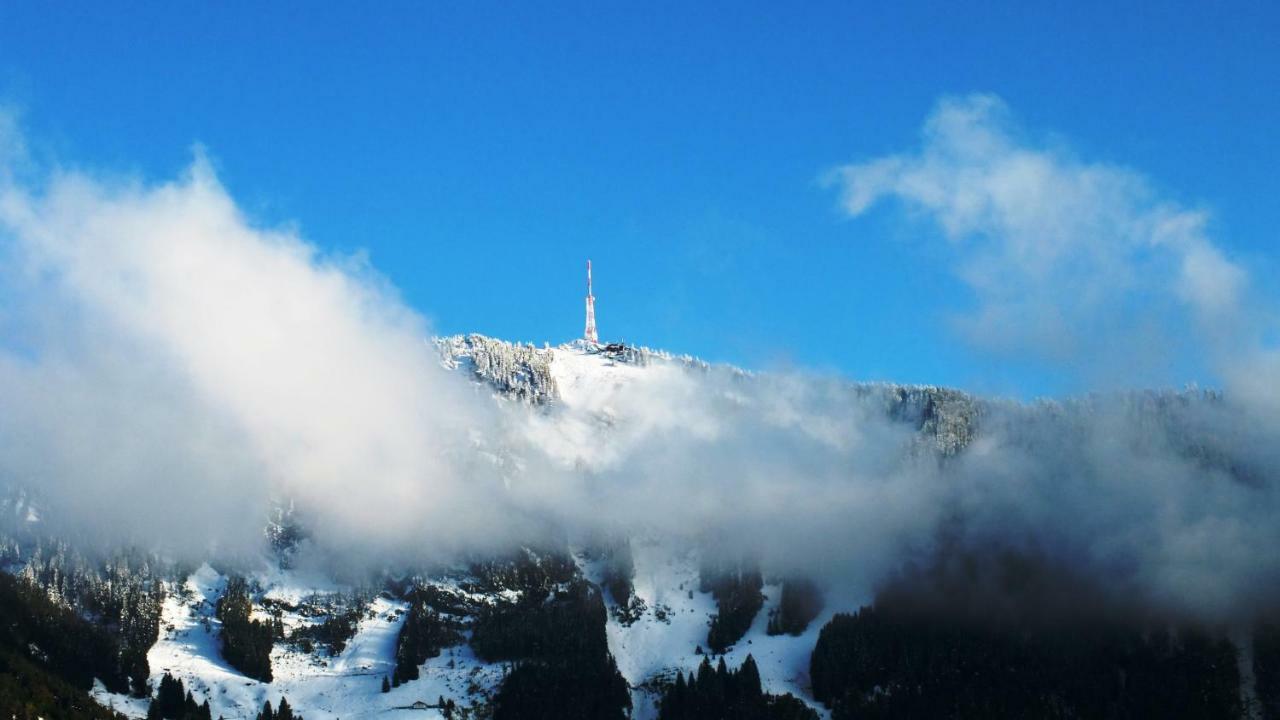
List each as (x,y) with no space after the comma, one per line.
(587,407)
(590,389)
(320,688)
(651,648)
(593,387)
(589,380)
(599,393)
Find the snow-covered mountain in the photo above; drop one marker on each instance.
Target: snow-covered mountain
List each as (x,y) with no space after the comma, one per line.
(661,628)
(336,640)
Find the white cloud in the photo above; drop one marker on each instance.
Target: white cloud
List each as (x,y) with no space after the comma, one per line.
(177,348)
(1079,263)
(168,365)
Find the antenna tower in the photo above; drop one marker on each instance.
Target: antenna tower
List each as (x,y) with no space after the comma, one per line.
(590,333)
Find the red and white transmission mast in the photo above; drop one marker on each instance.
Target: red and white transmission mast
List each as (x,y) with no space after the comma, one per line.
(590,333)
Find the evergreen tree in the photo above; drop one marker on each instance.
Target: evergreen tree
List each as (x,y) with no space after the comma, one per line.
(800,603)
(424,634)
(705,674)
(563,666)
(171,698)
(246,643)
(749,677)
(266,713)
(333,634)
(737,590)
(887,661)
(73,649)
(720,693)
(284,712)
(386,684)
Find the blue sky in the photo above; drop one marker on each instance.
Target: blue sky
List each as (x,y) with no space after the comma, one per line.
(481,152)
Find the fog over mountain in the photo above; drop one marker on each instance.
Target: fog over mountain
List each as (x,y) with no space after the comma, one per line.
(169,368)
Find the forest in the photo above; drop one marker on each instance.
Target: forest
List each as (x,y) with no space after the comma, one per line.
(1008,635)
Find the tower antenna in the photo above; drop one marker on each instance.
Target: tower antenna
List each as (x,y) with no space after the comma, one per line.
(590,333)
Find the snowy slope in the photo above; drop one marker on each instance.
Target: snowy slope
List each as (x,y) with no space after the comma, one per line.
(669,634)
(587,390)
(674,625)
(585,405)
(347,685)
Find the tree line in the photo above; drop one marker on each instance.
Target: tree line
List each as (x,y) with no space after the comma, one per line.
(887,662)
(424,634)
(722,694)
(173,701)
(554,636)
(49,656)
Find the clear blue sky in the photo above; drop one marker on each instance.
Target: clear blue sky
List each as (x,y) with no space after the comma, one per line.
(481,152)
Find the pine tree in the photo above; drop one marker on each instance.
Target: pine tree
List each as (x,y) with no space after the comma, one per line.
(673,704)
(722,694)
(170,702)
(386,684)
(246,643)
(284,712)
(266,713)
(749,678)
(705,673)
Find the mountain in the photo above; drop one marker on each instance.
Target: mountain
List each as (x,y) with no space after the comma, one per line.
(607,623)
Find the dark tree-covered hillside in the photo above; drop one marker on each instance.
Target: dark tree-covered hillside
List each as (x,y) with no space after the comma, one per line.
(120,592)
(1014,635)
(57,637)
(561,625)
(30,691)
(564,689)
(563,669)
(880,663)
(49,657)
(1266,668)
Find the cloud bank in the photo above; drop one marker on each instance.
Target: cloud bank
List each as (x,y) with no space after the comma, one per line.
(1081,264)
(170,366)
(167,367)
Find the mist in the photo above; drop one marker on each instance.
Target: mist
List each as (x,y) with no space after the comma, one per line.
(169,368)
